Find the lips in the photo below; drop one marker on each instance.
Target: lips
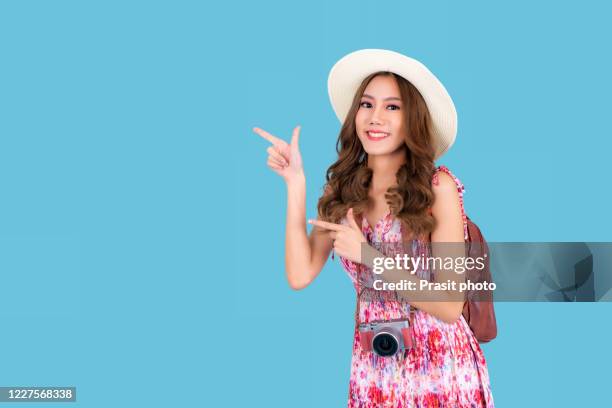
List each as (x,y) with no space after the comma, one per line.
(376,136)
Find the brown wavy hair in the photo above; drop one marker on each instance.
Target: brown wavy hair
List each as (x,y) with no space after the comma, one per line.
(348,179)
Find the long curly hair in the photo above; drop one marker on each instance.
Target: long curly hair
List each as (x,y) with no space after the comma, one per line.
(348,179)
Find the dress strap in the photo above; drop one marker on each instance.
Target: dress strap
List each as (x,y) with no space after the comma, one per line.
(460,190)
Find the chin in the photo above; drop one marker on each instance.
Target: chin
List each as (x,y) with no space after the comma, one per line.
(378,151)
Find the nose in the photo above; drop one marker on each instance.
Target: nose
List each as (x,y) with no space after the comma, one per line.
(377,116)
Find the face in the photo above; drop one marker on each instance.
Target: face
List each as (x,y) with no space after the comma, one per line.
(380,117)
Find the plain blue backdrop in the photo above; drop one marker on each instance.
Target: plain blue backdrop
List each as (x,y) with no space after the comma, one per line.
(141,233)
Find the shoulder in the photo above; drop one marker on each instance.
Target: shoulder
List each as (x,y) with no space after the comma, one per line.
(448,199)
(444,182)
(448,194)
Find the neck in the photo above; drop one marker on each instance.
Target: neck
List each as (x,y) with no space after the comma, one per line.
(384,168)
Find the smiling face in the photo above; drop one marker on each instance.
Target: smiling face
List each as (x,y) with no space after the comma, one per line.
(379,121)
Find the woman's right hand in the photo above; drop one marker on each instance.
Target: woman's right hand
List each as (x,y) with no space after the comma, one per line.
(283,158)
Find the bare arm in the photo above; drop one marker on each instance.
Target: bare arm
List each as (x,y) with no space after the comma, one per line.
(304,255)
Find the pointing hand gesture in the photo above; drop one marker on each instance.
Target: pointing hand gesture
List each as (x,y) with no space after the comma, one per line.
(283,158)
(348,239)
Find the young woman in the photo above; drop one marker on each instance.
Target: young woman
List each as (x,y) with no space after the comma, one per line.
(397,118)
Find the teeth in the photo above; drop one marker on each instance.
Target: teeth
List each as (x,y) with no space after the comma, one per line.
(377,134)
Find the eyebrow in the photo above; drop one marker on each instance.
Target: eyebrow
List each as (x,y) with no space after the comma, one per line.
(391,98)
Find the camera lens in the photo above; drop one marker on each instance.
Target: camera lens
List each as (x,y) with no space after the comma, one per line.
(385,344)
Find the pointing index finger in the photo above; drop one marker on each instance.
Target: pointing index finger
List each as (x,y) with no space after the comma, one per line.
(327,225)
(272,139)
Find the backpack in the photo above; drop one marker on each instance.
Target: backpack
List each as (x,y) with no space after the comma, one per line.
(478,309)
(480,314)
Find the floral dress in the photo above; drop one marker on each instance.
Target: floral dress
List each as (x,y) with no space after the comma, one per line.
(444,368)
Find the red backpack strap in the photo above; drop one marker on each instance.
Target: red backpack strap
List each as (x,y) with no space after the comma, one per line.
(460,190)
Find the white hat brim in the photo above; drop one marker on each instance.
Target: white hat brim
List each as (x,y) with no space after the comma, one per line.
(348,73)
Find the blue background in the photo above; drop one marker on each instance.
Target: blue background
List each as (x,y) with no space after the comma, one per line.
(141,233)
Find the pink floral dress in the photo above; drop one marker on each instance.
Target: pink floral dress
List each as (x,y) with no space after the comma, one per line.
(444,368)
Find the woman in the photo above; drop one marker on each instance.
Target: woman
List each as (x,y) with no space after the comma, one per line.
(397,118)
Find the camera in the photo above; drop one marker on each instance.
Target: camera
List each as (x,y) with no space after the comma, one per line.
(386,338)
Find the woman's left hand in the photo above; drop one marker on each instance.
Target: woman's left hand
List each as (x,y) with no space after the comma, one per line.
(348,239)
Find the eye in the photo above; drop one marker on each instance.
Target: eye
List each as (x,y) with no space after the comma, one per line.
(365,102)
(395,106)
